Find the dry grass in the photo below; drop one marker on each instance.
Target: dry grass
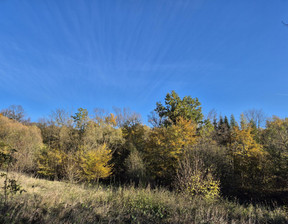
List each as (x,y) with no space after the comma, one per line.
(58,202)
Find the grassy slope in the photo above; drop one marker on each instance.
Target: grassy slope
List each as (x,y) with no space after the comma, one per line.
(59,202)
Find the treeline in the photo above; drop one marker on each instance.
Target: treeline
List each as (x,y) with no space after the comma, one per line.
(181,150)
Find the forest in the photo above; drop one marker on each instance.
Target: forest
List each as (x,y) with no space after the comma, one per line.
(182,151)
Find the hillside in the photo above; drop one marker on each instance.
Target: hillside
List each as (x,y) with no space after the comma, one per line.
(59,202)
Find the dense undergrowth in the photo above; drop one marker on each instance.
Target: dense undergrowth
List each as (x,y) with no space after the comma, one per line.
(59,202)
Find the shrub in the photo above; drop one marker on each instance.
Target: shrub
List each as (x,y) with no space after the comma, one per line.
(193,178)
(51,163)
(26,140)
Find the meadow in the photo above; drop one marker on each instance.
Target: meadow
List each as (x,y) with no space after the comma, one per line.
(61,202)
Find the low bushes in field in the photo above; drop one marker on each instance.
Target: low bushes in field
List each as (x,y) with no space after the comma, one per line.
(59,202)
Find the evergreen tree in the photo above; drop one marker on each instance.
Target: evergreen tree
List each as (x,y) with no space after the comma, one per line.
(233,122)
(175,107)
(243,122)
(222,134)
(226,122)
(215,124)
(81,119)
(221,122)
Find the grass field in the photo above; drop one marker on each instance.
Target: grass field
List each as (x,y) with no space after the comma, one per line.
(59,202)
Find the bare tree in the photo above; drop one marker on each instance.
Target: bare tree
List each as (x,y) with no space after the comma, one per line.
(212,115)
(126,117)
(256,116)
(15,112)
(61,117)
(194,178)
(154,119)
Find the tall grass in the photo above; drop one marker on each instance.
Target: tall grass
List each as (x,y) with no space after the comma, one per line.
(58,202)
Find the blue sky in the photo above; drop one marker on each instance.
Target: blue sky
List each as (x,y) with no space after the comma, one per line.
(232,55)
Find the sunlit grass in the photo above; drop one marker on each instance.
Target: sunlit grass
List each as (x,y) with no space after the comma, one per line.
(59,202)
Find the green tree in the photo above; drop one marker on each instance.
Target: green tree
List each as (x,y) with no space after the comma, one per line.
(226,122)
(81,119)
(243,122)
(175,107)
(222,133)
(233,122)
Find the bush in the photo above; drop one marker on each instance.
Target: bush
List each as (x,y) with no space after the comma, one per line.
(51,163)
(194,179)
(26,140)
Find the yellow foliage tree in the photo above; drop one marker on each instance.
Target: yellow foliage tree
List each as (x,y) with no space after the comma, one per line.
(94,163)
(111,119)
(51,163)
(275,139)
(26,140)
(166,145)
(247,156)
(101,132)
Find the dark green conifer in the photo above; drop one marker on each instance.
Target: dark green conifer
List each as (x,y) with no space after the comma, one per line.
(226,122)
(233,122)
